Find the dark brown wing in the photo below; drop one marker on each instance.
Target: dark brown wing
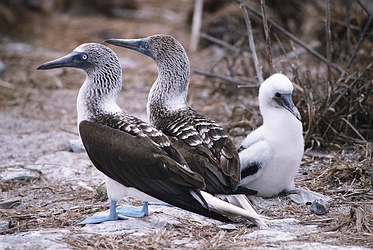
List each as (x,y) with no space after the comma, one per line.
(135,160)
(206,147)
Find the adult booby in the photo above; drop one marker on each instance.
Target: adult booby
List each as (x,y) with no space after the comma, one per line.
(270,155)
(130,152)
(203,143)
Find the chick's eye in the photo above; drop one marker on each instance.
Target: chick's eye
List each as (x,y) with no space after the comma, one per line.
(84,57)
(277,94)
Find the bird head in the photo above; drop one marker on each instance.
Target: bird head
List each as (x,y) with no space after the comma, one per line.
(87,57)
(171,86)
(276,92)
(158,47)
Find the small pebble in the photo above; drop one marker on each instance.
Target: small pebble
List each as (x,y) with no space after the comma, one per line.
(319,207)
(4,225)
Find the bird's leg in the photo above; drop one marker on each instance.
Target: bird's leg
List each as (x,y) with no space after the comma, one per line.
(137,212)
(113,215)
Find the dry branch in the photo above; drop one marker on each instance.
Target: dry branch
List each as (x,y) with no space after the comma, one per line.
(328,40)
(252,45)
(225,78)
(354,129)
(367,25)
(365,8)
(348,23)
(268,38)
(349,87)
(220,42)
(196,26)
(292,37)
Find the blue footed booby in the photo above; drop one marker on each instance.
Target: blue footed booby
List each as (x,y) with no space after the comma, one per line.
(131,153)
(203,143)
(270,155)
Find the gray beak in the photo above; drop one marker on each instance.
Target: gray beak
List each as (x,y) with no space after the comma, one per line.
(285,101)
(139,45)
(73,60)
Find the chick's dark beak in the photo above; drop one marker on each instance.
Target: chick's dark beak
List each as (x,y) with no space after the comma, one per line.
(285,101)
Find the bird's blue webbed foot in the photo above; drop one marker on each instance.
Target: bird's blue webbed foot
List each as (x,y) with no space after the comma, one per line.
(122,213)
(113,215)
(139,212)
(136,212)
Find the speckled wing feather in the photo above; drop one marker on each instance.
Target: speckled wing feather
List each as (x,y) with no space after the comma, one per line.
(126,154)
(220,145)
(209,150)
(141,129)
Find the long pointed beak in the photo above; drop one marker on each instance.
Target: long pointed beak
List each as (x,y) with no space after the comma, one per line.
(139,45)
(70,60)
(286,102)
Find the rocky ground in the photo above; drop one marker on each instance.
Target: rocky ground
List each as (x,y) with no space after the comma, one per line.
(46,187)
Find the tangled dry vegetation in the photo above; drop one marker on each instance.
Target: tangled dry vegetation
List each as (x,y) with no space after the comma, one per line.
(336,103)
(334,96)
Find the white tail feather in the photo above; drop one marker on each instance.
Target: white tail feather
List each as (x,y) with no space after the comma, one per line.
(240,200)
(217,205)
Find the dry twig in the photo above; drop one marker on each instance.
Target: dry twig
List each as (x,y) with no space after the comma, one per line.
(349,87)
(362,35)
(196,26)
(252,44)
(292,37)
(348,23)
(328,41)
(226,78)
(220,42)
(268,38)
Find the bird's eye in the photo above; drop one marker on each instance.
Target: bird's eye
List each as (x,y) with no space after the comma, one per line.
(277,94)
(84,57)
